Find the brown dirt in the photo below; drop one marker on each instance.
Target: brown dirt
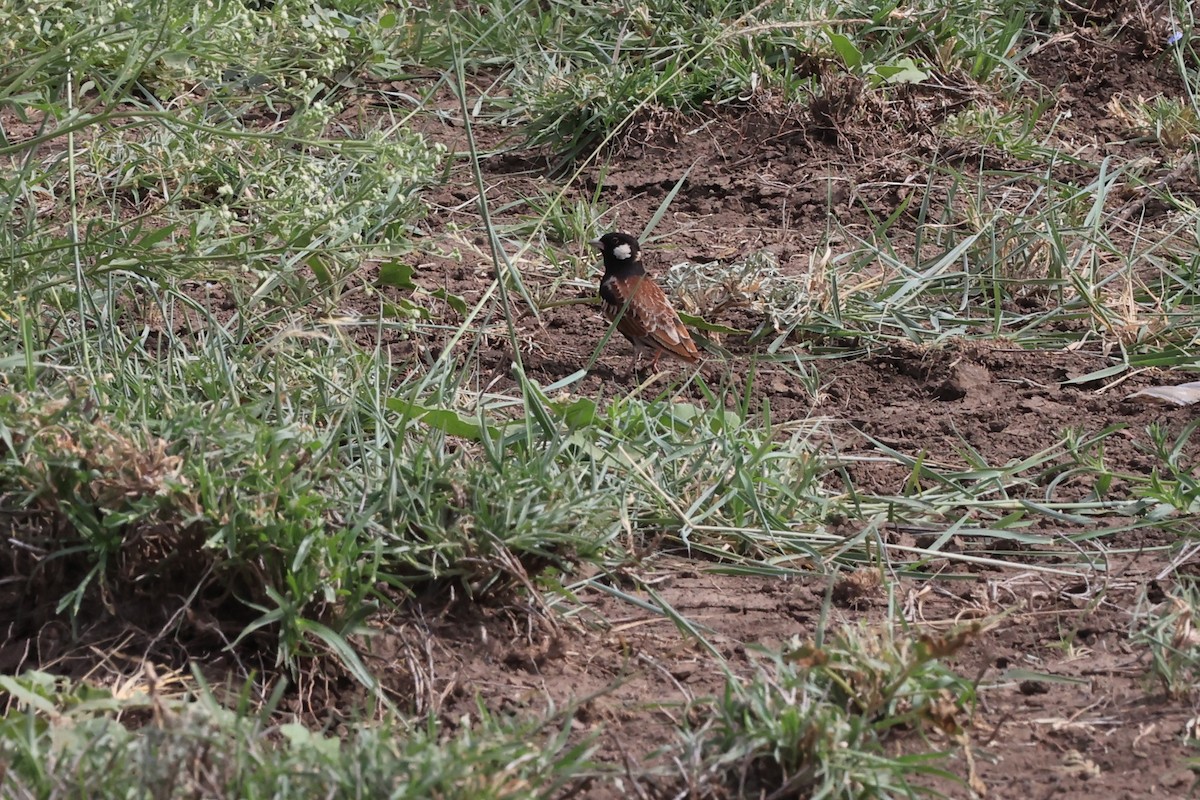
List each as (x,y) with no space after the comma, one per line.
(795,182)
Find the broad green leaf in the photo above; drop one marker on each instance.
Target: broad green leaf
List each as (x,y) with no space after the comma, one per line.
(156,236)
(699,323)
(322,273)
(443,419)
(452,300)
(904,70)
(396,273)
(579,414)
(453,423)
(27,697)
(845,48)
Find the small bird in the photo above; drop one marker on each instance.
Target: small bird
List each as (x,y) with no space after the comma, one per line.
(643,314)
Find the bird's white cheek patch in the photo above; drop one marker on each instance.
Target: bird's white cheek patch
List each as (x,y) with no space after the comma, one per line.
(622,251)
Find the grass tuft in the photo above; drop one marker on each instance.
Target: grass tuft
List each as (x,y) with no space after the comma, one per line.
(819,718)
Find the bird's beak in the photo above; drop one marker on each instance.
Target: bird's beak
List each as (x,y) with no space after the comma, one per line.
(596,243)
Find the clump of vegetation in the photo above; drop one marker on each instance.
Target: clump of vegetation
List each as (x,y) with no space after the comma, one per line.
(1169,632)
(816,719)
(194,747)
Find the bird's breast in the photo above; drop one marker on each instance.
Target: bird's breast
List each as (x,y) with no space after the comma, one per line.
(610,291)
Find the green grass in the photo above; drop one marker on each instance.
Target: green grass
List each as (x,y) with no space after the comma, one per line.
(816,717)
(199,202)
(201,749)
(1168,630)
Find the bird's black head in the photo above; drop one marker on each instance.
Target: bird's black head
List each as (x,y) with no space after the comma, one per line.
(620,253)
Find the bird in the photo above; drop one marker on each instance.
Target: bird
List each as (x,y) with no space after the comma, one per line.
(637,304)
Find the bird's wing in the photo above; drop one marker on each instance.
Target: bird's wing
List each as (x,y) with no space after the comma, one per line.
(650,317)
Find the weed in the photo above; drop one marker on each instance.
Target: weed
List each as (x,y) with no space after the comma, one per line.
(814,720)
